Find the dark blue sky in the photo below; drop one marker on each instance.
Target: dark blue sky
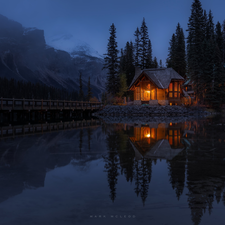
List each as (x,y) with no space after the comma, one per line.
(89,20)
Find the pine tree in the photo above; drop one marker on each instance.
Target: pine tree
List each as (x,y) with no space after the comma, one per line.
(130,69)
(123,85)
(89,95)
(137,47)
(149,55)
(219,80)
(172,52)
(127,62)
(160,63)
(207,71)
(122,61)
(81,93)
(112,63)
(155,63)
(219,38)
(210,27)
(180,56)
(194,45)
(144,45)
(223,53)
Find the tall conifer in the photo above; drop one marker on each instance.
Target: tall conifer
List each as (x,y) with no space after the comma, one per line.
(144,45)
(112,63)
(223,33)
(149,55)
(194,45)
(137,47)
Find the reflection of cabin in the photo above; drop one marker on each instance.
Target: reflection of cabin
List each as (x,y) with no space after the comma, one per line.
(157,86)
(163,141)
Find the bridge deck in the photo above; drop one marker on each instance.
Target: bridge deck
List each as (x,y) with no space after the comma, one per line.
(34,104)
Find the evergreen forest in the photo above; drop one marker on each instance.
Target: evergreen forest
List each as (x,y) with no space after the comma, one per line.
(199,58)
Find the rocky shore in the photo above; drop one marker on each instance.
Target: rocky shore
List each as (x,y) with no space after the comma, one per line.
(150,114)
(151,111)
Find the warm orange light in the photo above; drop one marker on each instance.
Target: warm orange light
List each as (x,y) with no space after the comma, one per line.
(171,124)
(148,135)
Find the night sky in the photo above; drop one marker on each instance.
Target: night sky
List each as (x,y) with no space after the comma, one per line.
(89,20)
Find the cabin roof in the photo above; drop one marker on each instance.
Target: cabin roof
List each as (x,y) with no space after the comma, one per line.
(161,77)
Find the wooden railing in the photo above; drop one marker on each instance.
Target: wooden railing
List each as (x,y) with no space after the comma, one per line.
(34,104)
(23,130)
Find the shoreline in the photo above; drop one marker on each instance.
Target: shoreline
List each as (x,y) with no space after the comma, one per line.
(151,111)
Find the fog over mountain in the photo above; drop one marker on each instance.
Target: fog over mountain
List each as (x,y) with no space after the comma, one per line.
(24,55)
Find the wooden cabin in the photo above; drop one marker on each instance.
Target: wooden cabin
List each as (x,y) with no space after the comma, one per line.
(157,86)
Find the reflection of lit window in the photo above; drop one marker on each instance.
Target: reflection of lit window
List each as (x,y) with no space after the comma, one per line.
(175,141)
(171,140)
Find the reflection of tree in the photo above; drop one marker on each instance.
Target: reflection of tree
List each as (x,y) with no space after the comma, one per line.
(205,168)
(81,141)
(143,172)
(127,160)
(112,163)
(177,174)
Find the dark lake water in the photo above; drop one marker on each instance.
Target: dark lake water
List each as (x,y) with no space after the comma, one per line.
(154,173)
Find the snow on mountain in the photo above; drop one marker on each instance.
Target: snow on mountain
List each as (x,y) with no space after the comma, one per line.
(70,44)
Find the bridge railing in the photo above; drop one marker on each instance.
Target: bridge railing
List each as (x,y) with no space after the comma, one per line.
(29,104)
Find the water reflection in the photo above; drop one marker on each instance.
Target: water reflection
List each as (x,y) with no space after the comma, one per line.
(193,148)
(193,152)
(160,141)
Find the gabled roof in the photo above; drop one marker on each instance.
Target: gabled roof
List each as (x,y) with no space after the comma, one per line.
(161,77)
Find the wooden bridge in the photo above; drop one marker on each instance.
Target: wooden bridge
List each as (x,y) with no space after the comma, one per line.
(12,110)
(30,129)
(9,104)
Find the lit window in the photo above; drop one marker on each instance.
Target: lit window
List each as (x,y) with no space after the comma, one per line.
(175,86)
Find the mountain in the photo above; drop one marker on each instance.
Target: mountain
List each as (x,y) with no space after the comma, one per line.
(72,45)
(24,55)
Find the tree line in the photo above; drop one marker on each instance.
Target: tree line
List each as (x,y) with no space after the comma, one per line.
(121,69)
(201,61)
(20,89)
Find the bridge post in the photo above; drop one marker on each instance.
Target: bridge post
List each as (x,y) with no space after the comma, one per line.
(1,103)
(23,103)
